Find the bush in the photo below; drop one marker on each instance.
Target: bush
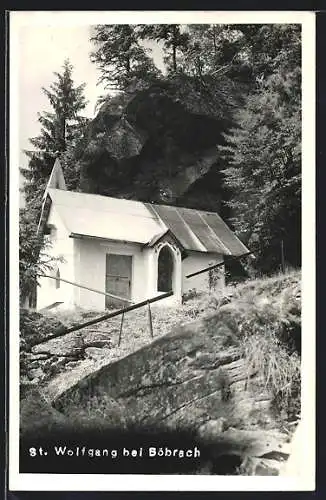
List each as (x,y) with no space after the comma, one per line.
(189,295)
(36,327)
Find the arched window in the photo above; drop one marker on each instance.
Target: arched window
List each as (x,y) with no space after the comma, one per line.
(165,270)
(57,279)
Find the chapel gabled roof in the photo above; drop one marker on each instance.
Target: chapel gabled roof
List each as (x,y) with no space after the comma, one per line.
(56,180)
(96,216)
(165,236)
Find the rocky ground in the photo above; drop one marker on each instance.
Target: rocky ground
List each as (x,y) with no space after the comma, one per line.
(81,352)
(217,366)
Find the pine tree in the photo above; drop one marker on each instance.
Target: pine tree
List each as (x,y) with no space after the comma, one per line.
(263,155)
(60,129)
(270,48)
(120,57)
(173,37)
(247,53)
(213,49)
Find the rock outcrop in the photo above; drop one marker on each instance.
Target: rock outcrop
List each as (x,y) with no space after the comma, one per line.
(197,379)
(193,378)
(189,376)
(156,142)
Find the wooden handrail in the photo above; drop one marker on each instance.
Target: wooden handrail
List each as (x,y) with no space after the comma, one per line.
(86,288)
(102,318)
(206,269)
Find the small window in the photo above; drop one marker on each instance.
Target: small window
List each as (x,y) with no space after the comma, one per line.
(57,279)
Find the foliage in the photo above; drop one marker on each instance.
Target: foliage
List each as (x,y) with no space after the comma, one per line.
(266,318)
(215,49)
(59,129)
(263,154)
(287,402)
(245,53)
(268,48)
(33,257)
(281,370)
(244,77)
(71,160)
(120,57)
(172,36)
(61,132)
(36,327)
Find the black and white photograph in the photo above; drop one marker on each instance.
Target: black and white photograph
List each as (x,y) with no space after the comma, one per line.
(162,250)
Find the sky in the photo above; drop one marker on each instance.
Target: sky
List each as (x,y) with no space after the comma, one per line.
(42,51)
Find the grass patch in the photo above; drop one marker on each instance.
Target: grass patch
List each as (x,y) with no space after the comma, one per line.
(266,317)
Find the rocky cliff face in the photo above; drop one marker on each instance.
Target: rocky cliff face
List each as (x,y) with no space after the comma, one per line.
(186,378)
(193,379)
(156,143)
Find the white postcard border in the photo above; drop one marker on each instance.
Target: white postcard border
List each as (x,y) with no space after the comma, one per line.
(93,482)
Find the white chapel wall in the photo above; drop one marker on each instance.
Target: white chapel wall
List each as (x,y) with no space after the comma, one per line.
(196,261)
(85,262)
(90,269)
(62,245)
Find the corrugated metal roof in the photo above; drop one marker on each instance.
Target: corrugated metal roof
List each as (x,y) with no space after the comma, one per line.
(172,219)
(203,232)
(128,220)
(200,230)
(223,232)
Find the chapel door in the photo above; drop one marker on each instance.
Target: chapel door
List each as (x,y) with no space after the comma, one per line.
(118,279)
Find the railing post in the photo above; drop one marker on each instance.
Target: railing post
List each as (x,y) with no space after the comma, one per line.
(103,318)
(121,324)
(150,319)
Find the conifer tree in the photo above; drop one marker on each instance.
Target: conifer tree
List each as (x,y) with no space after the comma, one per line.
(173,37)
(120,57)
(263,154)
(213,49)
(60,128)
